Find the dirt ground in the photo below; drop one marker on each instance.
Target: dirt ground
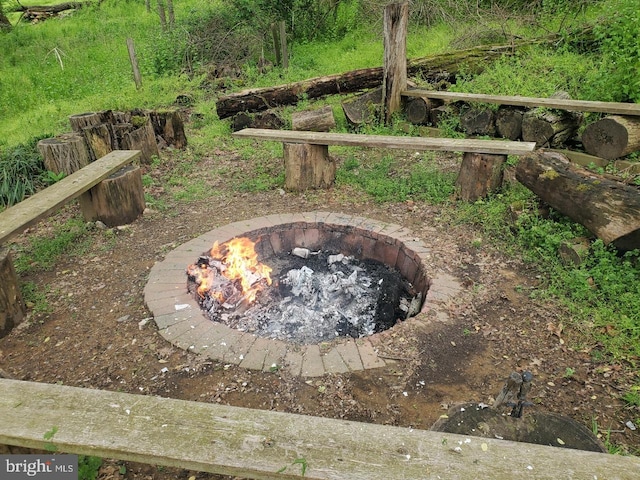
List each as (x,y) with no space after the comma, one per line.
(100,334)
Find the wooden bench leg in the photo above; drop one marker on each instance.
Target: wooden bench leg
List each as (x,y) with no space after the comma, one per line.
(480,174)
(308,166)
(12,308)
(117,200)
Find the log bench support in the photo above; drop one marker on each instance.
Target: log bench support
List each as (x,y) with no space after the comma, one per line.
(263,444)
(308,164)
(108,192)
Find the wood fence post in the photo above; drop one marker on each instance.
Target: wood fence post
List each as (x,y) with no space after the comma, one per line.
(134,63)
(395,21)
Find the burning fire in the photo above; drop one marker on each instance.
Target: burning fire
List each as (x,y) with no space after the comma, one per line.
(229,264)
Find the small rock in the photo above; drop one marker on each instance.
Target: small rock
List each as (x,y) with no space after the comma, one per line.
(123,319)
(630,425)
(101,225)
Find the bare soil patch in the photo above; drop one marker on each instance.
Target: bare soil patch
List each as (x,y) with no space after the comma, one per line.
(100,334)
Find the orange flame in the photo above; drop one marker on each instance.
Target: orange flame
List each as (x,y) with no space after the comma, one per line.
(240,262)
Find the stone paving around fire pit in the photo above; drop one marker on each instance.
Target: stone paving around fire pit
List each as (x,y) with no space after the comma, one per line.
(181,321)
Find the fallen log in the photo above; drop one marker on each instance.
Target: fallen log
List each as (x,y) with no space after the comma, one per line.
(612,137)
(434,68)
(607,208)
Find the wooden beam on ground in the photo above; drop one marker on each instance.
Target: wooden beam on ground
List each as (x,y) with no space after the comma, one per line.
(17,218)
(272,445)
(559,103)
(497,147)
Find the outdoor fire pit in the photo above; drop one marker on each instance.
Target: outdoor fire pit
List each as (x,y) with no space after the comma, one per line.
(314,290)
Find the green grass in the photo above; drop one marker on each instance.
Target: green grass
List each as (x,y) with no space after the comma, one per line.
(43,251)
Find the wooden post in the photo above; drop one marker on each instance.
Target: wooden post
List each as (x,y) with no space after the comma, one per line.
(480,174)
(308,166)
(276,43)
(162,14)
(134,63)
(118,199)
(283,45)
(395,21)
(12,307)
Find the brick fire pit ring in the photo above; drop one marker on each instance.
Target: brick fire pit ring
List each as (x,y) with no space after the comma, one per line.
(181,321)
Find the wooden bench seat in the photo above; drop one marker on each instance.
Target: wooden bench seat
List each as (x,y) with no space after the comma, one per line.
(494,147)
(308,165)
(559,103)
(263,444)
(19,217)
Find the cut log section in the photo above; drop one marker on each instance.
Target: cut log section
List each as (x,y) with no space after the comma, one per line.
(143,139)
(364,108)
(480,174)
(99,140)
(608,209)
(612,137)
(308,167)
(169,126)
(12,308)
(320,120)
(509,122)
(478,121)
(66,153)
(118,199)
(549,128)
(418,110)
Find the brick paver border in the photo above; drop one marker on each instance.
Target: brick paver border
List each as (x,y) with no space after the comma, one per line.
(181,321)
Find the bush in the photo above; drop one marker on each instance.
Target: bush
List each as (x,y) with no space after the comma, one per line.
(618,37)
(22,172)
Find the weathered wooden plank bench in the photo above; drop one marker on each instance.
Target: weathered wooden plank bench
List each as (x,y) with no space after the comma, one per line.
(560,103)
(19,217)
(271,445)
(308,165)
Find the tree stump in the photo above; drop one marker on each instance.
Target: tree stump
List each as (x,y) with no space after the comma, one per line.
(612,137)
(418,110)
(320,120)
(65,153)
(308,166)
(12,308)
(607,208)
(143,139)
(509,122)
(478,121)
(480,174)
(118,199)
(80,121)
(99,140)
(170,127)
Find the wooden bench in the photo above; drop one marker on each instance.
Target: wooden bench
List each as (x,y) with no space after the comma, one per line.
(308,165)
(267,444)
(532,102)
(19,217)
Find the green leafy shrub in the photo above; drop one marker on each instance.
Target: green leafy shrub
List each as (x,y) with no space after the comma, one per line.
(22,172)
(620,48)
